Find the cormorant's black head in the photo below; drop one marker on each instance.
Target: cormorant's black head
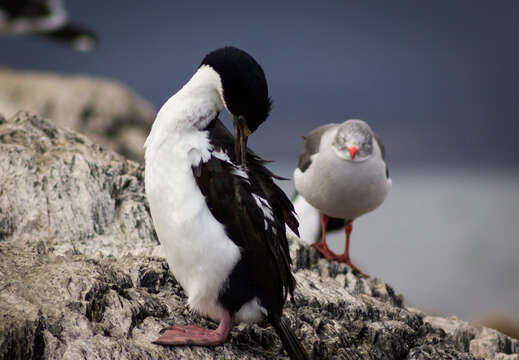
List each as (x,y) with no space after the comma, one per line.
(244,85)
(245,92)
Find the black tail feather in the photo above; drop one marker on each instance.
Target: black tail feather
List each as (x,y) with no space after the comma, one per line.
(293,347)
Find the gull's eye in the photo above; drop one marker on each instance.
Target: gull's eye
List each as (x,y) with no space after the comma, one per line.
(340,139)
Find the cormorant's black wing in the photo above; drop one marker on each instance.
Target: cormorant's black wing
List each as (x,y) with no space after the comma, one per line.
(254,212)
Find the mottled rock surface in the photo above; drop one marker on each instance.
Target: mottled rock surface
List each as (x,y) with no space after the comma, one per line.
(59,187)
(92,301)
(104,110)
(484,342)
(446,337)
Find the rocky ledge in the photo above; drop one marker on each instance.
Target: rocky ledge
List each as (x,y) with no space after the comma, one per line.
(79,279)
(104,110)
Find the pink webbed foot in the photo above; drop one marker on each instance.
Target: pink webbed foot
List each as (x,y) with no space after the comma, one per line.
(324,250)
(346,260)
(321,246)
(345,257)
(195,335)
(190,335)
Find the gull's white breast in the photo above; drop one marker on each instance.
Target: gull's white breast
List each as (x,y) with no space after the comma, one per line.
(342,188)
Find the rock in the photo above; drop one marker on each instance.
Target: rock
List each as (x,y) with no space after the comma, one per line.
(74,307)
(506,323)
(104,110)
(75,302)
(481,341)
(58,186)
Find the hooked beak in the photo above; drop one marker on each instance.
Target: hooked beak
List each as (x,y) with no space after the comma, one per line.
(353,151)
(241,133)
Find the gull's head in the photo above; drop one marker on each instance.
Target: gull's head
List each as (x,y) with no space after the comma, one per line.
(353,141)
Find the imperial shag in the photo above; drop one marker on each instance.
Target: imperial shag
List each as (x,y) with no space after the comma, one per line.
(217,212)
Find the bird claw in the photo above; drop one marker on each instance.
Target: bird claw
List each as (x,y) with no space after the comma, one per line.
(330,256)
(346,260)
(325,251)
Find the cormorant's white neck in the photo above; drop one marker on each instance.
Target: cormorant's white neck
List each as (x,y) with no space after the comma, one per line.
(205,79)
(192,108)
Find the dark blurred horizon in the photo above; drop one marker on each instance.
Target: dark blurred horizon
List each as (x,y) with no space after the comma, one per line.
(437,80)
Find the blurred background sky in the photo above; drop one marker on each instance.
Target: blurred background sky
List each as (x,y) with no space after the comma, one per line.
(438,80)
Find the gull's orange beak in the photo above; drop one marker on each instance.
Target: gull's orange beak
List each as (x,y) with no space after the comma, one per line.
(353,151)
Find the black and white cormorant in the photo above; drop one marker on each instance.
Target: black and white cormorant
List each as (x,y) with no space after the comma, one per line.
(341,175)
(47,18)
(217,212)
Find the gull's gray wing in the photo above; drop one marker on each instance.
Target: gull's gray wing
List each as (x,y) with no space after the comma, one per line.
(312,143)
(382,151)
(381,146)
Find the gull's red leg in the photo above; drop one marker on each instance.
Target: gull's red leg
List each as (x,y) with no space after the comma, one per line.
(194,335)
(345,258)
(321,246)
